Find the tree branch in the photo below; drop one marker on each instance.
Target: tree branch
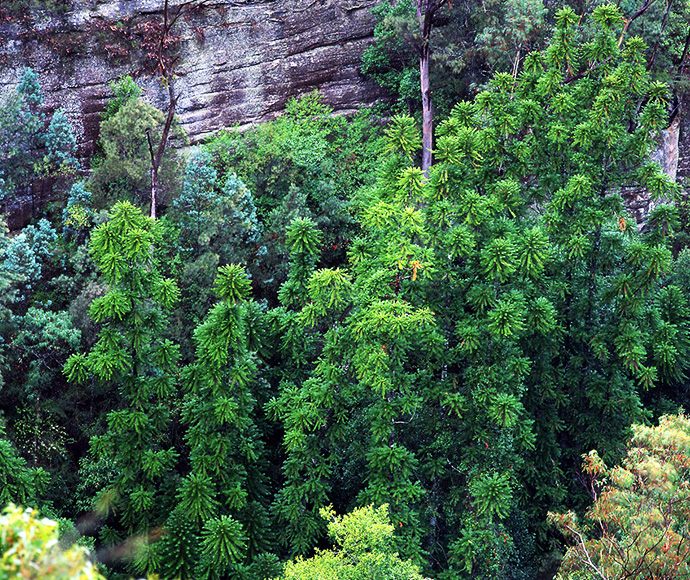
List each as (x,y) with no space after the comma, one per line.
(635,15)
(658,38)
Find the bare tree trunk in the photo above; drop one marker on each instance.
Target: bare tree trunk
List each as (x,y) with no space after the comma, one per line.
(427,111)
(157,156)
(425,12)
(154,191)
(166,68)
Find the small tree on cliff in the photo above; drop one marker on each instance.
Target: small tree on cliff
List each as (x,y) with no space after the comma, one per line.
(124,170)
(166,69)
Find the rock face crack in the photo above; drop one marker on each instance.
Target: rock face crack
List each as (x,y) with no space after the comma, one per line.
(239,60)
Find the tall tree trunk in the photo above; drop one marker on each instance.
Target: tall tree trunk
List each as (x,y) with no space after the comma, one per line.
(427,111)
(166,70)
(157,156)
(425,13)
(154,191)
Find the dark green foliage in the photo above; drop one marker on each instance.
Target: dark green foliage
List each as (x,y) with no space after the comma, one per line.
(19,482)
(213,227)
(469,42)
(124,172)
(392,59)
(133,357)
(305,164)
(178,552)
(223,544)
(20,125)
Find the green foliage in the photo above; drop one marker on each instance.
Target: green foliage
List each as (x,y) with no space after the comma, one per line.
(304,241)
(124,173)
(492,494)
(316,320)
(225,450)
(29,548)
(232,283)
(124,90)
(503,300)
(19,482)
(638,524)
(305,164)
(513,30)
(132,354)
(365,548)
(468,42)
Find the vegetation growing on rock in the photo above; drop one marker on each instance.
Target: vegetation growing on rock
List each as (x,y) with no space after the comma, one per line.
(315,323)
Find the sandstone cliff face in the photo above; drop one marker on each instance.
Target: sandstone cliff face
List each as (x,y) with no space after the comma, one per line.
(239,60)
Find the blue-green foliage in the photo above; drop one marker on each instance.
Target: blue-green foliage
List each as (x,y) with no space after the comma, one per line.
(60,142)
(43,342)
(23,134)
(20,125)
(30,89)
(77,213)
(199,200)
(215,226)
(26,252)
(244,224)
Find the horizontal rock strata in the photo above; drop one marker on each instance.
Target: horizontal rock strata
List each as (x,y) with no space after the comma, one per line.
(239,60)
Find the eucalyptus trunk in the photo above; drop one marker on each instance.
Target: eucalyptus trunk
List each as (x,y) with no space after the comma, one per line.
(425,13)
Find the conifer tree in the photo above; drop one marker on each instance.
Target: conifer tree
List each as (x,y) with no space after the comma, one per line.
(20,126)
(490,308)
(221,502)
(60,143)
(133,359)
(198,201)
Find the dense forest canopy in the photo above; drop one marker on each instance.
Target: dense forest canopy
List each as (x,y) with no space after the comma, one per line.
(335,352)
